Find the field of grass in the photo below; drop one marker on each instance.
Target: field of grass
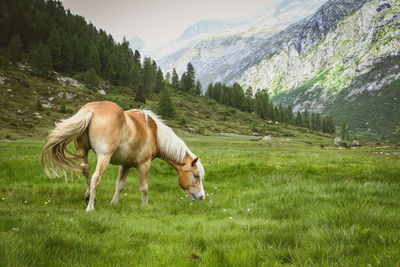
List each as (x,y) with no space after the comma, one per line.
(273,203)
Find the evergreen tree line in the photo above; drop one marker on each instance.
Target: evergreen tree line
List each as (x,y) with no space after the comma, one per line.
(260,104)
(51,39)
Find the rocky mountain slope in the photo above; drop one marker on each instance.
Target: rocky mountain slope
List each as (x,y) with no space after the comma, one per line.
(219,56)
(345,55)
(335,67)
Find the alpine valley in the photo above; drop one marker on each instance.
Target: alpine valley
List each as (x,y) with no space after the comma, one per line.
(342,60)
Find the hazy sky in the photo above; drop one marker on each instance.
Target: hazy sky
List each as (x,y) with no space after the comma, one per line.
(158,21)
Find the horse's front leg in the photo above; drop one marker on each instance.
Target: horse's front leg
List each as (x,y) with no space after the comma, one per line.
(143,172)
(122,174)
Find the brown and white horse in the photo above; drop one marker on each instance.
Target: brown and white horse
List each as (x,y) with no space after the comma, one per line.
(130,139)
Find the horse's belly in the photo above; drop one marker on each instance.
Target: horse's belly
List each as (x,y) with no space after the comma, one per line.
(123,156)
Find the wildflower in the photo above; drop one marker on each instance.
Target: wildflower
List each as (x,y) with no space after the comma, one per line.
(230,218)
(248,210)
(224,210)
(25,201)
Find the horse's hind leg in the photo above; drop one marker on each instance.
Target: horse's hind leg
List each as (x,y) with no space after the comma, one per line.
(143,172)
(102,164)
(122,173)
(82,150)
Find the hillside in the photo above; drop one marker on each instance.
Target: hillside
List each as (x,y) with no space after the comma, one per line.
(341,61)
(21,117)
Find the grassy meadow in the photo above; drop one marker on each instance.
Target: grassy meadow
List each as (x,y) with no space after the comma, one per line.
(282,202)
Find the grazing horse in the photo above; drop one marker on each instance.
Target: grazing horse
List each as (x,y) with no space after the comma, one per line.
(130,139)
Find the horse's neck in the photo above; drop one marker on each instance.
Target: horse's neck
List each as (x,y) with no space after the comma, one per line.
(175,165)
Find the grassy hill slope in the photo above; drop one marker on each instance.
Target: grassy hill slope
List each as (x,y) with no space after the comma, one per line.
(30,106)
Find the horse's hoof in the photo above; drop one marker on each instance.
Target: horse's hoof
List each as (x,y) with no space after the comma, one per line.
(87,200)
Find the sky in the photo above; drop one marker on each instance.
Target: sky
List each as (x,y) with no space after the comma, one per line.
(159,21)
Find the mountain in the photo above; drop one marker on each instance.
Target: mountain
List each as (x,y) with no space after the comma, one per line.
(343,60)
(136,43)
(214,54)
(206,27)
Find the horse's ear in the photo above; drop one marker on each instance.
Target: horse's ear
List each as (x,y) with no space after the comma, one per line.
(194,161)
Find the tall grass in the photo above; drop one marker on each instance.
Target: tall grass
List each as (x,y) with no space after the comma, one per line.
(267,204)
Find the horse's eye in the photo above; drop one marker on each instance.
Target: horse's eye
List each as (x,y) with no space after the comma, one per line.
(196,176)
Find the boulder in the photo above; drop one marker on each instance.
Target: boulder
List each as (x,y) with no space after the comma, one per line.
(337,140)
(256,134)
(356,143)
(267,138)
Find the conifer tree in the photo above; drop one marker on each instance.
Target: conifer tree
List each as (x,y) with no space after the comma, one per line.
(40,60)
(134,76)
(159,83)
(249,101)
(175,80)
(148,75)
(15,48)
(91,79)
(93,59)
(299,121)
(344,131)
(197,87)
(306,119)
(166,108)
(290,115)
(140,95)
(318,125)
(67,56)
(137,58)
(55,46)
(190,74)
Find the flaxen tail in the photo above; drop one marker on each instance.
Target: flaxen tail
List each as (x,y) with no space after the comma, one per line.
(56,157)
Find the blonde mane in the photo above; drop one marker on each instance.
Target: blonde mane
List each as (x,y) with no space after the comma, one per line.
(170,145)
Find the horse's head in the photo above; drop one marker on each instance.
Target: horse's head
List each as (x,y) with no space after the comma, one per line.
(191,175)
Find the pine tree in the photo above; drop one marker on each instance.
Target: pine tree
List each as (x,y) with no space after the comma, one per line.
(134,76)
(67,56)
(93,59)
(306,119)
(344,131)
(15,48)
(40,60)
(148,75)
(166,108)
(190,74)
(140,95)
(197,87)
(159,83)
(91,79)
(175,80)
(168,78)
(290,115)
(299,121)
(137,58)
(55,46)
(249,101)
(318,125)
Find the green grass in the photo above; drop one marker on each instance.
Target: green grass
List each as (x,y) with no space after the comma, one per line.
(291,202)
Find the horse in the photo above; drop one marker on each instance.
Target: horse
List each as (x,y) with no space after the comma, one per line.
(131,138)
